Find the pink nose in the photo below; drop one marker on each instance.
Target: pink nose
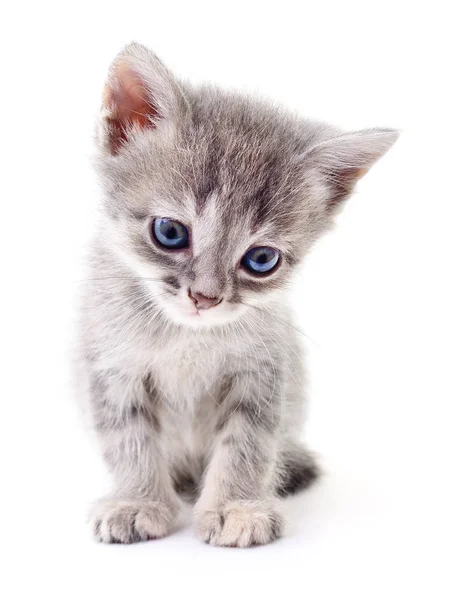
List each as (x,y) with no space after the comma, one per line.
(203,302)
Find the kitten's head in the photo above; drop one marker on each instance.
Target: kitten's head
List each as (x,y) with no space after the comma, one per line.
(212,198)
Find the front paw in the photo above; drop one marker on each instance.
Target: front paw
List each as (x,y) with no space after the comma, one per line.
(126,521)
(240,523)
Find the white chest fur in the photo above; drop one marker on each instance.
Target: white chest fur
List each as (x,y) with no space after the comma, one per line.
(189,376)
(187,372)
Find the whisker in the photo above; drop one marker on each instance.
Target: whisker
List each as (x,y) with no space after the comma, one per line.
(263,310)
(114,277)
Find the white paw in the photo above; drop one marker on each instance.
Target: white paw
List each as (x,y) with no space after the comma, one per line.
(126,521)
(240,523)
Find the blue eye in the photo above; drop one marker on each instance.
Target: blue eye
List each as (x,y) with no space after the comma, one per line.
(170,234)
(260,260)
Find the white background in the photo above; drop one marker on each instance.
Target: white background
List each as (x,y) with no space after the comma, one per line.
(374,297)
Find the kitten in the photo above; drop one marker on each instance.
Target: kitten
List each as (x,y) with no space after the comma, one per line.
(188,361)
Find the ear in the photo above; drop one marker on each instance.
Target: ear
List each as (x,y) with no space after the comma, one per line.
(140,93)
(344,159)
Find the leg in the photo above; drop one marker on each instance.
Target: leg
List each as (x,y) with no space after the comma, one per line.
(238,505)
(297,469)
(143,503)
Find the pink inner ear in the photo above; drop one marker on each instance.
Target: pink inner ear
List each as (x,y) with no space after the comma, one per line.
(129,105)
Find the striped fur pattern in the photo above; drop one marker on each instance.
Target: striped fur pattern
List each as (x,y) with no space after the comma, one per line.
(205,403)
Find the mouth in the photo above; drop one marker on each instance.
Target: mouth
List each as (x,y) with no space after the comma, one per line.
(181,310)
(199,317)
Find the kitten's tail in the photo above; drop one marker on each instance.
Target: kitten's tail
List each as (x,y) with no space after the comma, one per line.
(297,470)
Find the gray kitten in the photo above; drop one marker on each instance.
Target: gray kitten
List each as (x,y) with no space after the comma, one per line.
(188,364)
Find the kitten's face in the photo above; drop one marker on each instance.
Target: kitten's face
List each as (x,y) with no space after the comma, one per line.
(212,199)
(220,269)
(205,267)
(208,251)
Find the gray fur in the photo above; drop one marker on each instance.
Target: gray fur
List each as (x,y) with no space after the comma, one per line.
(212,399)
